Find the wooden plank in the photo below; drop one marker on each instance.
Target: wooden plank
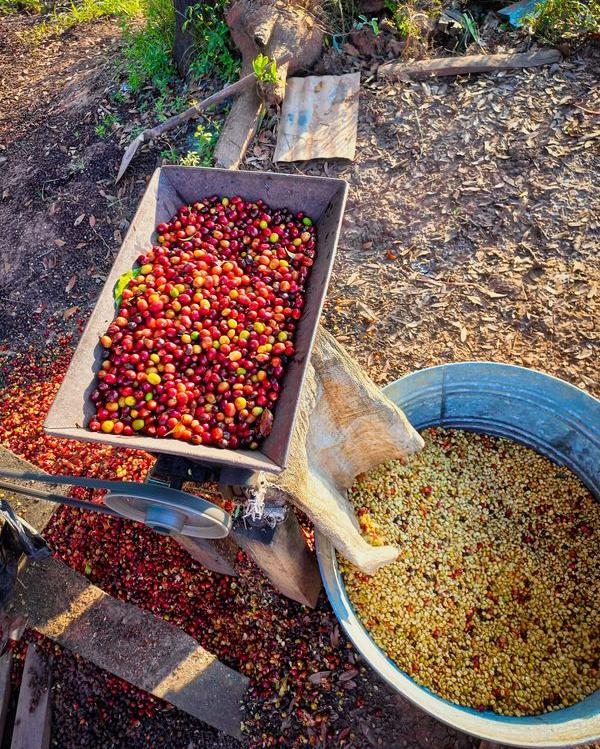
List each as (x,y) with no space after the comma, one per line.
(284,557)
(5,666)
(148,652)
(239,129)
(319,118)
(217,556)
(32,719)
(467,64)
(37,512)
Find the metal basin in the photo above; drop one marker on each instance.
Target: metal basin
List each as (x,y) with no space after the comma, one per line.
(547,414)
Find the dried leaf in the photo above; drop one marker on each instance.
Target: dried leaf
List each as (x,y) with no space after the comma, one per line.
(72,281)
(463,335)
(266,423)
(60,242)
(92,220)
(79,219)
(70,312)
(319,677)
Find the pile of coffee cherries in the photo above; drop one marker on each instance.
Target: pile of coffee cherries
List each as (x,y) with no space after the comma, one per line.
(205,326)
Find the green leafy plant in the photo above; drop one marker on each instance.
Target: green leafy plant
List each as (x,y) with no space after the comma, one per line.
(170,155)
(148,48)
(363,21)
(205,140)
(264,69)
(19,6)
(191,159)
(466,22)
(214,53)
(59,20)
(405,14)
(105,125)
(337,40)
(118,97)
(122,283)
(555,20)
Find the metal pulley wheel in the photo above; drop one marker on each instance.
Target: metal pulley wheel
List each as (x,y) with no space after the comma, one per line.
(171,511)
(160,507)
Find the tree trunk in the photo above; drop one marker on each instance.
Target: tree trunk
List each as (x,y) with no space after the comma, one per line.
(183,46)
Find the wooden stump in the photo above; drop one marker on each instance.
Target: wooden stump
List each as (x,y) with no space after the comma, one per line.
(273,29)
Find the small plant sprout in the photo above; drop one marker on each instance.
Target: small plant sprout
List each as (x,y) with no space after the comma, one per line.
(337,40)
(363,21)
(104,127)
(264,69)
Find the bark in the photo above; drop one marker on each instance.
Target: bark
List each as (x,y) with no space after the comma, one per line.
(183,45)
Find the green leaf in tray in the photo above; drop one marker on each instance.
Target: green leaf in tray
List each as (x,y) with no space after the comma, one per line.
(123,283)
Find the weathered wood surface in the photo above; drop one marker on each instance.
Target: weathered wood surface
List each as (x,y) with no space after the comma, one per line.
(217,556)
(319,118)
(32,719)
(5,666)
(239,129)
(148,652)
(284,557)
(37,512)
(468,64)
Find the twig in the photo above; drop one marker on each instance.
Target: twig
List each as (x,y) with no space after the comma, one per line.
(587,111)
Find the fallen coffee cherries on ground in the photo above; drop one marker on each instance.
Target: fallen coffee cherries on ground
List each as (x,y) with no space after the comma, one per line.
(205,325)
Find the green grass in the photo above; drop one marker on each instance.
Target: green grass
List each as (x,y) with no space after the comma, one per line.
(148,27)
(19,6)
(83,11)
(148,47)
(148,50)
(557,20)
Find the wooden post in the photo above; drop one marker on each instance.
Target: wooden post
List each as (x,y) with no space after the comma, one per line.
(282,554)
(32,721)
(130,643)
